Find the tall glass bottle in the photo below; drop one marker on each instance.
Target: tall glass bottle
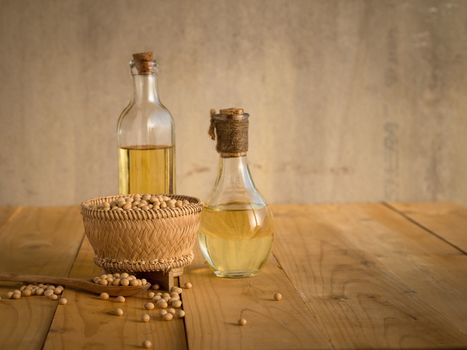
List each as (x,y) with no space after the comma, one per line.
(146,135)
(236,231)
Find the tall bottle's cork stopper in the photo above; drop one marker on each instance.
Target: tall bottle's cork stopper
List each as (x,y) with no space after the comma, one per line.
(230,126)
(144,62)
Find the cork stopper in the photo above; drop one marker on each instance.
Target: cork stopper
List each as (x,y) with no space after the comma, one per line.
(144,62)
(143,56)
(230,126)
(231,111)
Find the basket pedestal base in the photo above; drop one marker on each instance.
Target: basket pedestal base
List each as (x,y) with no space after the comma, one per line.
(164,279)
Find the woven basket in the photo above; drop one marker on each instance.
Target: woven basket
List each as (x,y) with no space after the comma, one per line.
(142,240)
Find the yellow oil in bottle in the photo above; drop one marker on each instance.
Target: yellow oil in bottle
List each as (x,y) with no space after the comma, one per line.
(236,242)
(146,169)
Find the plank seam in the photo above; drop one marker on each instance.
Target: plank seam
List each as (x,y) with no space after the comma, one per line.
(423,227)
(68,275)
(11,216)
(184,318)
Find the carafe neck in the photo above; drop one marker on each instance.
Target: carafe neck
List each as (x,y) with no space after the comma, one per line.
(145,88)
(234,173)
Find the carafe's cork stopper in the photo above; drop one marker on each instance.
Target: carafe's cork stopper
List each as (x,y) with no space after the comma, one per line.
(230,126)
(231,111)
(144,62)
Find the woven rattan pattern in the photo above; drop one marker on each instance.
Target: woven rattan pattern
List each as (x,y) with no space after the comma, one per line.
(142,240)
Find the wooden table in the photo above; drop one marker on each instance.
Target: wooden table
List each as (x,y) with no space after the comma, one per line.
(352,276)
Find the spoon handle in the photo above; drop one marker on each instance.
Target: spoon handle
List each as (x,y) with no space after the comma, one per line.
(42,279)
(74,283)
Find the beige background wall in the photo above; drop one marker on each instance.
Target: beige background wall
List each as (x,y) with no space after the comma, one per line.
(350,100)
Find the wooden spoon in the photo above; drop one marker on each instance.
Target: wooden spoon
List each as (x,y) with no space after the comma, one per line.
(75,283)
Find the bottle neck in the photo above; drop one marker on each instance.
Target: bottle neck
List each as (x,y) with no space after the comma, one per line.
(234,173)
(145,88)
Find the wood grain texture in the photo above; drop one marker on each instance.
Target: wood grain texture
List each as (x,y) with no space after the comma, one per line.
(354,276)
(214,305)
(412,253)
(372,278)
(446,220)
(86,321)
(35,240)
(349,100)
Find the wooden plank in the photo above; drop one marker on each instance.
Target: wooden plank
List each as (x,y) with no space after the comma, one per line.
(446,220)
(214,305)
(86,322)
(35,241)
(434,269)
(372,278)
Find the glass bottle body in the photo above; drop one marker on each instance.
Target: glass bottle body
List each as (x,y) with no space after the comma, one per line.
(236,231)
(146,141)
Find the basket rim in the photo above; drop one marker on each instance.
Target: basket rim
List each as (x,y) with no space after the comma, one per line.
(195,207)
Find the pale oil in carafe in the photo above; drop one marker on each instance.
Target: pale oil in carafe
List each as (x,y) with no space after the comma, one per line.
(146,169)
(236,242)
